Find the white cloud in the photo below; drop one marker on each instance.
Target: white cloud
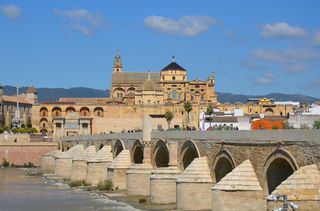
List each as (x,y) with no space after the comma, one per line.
(11,11)
(265,80)
(184,26)
(316,38)
(290,55)
(81,20)
(252,65)
(282,30)
(296,68)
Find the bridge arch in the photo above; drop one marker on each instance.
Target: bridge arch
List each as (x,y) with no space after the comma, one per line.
(137,152)
(278,167)
(118,147)
(161,154)
(222,165)
(189,152)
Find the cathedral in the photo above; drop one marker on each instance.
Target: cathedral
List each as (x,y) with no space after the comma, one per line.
(170,85)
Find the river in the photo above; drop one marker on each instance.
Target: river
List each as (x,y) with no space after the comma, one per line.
(20,192)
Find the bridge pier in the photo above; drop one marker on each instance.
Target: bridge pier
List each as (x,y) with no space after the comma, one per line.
(238,190)
(63,167)
(194,186)
(97,166)
(163,185)
(301,188)
(117,170)
(79,164)
(138,175)
(48,162)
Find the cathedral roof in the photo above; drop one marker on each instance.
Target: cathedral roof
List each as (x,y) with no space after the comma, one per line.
(173,66)
(134,77)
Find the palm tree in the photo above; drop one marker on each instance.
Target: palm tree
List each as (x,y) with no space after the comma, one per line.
(209,112)
(188,108)
(169,116)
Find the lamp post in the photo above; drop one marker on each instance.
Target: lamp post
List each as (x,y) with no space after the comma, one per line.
(285,205)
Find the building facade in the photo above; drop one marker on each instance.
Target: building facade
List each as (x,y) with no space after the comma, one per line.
(23,102)
(133,95)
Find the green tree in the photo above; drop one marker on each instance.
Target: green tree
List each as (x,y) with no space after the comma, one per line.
(209,111)
(316,124)
(169,116)
(188,108)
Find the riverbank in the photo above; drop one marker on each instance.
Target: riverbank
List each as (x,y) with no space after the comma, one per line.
(24,189)
(138,202)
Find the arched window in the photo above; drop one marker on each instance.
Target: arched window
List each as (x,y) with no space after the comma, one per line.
(174,94)
(84,111)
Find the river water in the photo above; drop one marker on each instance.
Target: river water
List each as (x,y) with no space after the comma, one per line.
(19,192)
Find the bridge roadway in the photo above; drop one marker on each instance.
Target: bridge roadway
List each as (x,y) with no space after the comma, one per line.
(274,155)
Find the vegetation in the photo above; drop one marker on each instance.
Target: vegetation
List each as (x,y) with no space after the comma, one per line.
(287,125)
(5,163)
(275,127)
(209,111)
(304,126)
(79,183)
(169,116)
(23,129)
(316,124)
(106,185)
(142,200)
(188,108)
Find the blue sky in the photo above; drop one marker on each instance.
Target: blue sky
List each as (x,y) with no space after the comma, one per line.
(254,47)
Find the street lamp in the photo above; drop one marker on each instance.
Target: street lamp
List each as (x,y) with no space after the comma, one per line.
(285,207)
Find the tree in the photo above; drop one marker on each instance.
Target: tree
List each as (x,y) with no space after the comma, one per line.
(316,124)
(209,111)
(169,116)
(188,108)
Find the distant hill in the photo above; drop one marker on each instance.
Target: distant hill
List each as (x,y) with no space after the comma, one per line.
(233,98)
(53,94)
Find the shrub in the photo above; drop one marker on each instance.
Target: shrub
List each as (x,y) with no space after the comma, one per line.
(78,183)
(5,163)
(275,127)
(105,185)
(142,200)
(316,124)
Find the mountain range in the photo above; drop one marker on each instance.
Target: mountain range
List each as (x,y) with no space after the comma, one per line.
(53,94)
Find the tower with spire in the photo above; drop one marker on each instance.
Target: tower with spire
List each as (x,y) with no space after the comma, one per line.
(32,94)
(117,67)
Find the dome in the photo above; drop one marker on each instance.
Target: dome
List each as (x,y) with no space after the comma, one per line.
(173,66)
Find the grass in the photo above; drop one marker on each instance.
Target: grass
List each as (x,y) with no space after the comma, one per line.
(106,185)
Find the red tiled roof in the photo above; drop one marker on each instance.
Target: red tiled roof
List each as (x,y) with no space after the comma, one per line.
(13,99)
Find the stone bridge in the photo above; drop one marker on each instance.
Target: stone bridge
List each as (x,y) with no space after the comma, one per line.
(199,170)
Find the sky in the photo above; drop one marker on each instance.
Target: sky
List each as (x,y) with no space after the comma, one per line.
(253,47)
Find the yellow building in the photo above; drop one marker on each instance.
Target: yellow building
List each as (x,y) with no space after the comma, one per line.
(134,94)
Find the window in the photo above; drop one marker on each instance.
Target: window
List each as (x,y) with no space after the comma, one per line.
(179,96)
(84,125)
(149,102)
(58,125)
(119,95)
(173,78)
(202,97)
(174,94)
(43,125)
(191,97)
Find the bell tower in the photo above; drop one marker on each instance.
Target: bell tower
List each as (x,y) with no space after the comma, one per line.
(117,67)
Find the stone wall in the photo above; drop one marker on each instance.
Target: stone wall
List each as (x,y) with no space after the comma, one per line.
(22,153)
